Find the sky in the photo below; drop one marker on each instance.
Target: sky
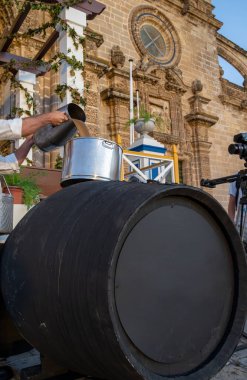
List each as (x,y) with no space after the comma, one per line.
(233,14)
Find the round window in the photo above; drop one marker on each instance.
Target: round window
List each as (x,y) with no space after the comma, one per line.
(153,41)
(154,36)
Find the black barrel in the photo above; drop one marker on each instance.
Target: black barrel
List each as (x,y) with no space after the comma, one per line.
(128,281)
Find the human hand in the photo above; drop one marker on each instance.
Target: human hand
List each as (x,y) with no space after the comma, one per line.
(57,117)
(31,124)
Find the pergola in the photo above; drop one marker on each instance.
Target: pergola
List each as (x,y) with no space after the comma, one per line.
(91,8)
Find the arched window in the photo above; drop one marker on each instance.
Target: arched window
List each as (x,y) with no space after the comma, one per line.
(230,73)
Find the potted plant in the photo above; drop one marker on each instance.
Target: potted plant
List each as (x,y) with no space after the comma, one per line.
(24,189)
(146,122)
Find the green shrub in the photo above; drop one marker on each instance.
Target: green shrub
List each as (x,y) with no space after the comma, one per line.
(28,184)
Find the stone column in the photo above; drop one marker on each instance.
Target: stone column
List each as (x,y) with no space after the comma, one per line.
(118,103)
(200,121)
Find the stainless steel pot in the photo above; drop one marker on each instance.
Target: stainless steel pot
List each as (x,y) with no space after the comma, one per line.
(91,159)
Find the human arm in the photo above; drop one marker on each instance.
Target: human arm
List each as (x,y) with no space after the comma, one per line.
(10,163)
(17,128)
(232,203)
(232,207)
(31,124)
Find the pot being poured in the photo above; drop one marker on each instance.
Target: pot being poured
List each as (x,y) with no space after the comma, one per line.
(50,137)
(91,159)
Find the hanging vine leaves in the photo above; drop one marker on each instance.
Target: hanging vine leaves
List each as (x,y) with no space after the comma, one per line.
(54,10)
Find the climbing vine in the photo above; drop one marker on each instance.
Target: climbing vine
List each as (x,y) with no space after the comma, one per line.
(8,69)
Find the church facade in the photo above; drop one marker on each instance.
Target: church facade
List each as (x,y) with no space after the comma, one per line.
(175,46)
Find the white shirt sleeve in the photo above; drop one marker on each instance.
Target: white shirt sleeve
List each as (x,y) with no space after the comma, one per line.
(10,129)
(8,164)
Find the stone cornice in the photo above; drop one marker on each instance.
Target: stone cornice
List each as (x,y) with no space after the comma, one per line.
(206,145)
(110,93)
(186,8)
(211,20)
(228,43)
(117,72)
(97,65)
(165,138)
(141,75)
(201,118)
(233,94)
(197,101)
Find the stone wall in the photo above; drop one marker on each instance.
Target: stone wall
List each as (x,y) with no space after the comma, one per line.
(205,118)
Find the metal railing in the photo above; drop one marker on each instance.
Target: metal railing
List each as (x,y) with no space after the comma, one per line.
(167,166)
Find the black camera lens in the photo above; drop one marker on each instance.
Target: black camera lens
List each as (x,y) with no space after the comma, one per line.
(234,149)
(240,149)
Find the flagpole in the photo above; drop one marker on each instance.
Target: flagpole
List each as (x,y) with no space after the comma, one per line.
(131,102)
(137,104)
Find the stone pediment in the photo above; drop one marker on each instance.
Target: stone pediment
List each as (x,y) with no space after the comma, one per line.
(171,77)
(174,81)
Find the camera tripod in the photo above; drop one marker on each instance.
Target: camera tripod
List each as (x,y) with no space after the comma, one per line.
(241,218)
(241,182)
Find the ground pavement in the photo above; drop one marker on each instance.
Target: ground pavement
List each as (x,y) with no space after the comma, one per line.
(236,368)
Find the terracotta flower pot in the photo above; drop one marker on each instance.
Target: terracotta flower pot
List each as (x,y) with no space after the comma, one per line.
(17,193)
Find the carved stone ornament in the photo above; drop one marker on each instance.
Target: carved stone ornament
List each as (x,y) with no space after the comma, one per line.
(93,41)
(117,57)
(196,86)
(93,36)
(174,81)
(186,7)
(244,104)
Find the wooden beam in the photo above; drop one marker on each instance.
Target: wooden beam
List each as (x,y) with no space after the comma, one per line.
(4,45)
(92,8)
(47,45)
(22,63)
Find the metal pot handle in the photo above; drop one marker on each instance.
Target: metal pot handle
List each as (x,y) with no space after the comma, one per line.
(108,144)
(2,179)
